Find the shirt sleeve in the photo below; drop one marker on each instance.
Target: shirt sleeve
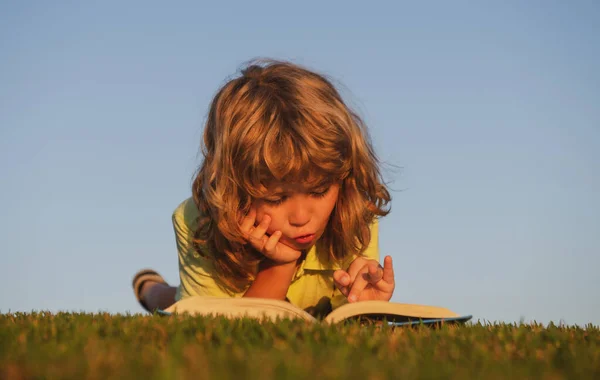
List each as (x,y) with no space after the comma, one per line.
(372,250)
(195,272)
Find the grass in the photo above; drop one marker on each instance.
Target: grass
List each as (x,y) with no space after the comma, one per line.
(104,346)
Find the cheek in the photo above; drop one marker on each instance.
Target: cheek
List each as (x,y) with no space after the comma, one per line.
(261,211)
(330,201)
(324,208)
(276,219)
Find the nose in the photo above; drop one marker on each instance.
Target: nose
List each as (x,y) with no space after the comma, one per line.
(299,212)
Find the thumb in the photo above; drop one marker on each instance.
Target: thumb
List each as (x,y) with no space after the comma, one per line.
(341,277)
(388,270)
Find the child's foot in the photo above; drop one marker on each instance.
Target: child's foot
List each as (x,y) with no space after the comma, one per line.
(142,282)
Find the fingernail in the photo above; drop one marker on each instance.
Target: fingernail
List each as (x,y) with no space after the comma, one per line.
(352,298)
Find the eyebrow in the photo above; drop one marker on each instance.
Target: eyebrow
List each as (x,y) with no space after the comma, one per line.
(321,187)
(316,188)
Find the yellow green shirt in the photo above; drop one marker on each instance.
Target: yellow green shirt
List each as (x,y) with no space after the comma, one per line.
(312,286)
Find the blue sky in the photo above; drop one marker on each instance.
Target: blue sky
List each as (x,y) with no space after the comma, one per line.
(489,112)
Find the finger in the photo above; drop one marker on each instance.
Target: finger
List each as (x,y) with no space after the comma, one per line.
(341,277)
(341,280)
(259,231)
(241,215)
(355,267)
(269,249)
(375,272)
(388,270)
(248,221)
(359,284)
(344,291)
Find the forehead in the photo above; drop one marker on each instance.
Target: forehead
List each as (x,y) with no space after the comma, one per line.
(303,185)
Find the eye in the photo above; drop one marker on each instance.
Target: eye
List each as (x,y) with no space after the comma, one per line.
(320,193)
(275,201)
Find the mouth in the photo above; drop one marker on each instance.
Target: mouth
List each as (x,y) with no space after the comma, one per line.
(305,239)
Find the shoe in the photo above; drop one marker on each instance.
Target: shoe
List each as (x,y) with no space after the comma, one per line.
(138,281)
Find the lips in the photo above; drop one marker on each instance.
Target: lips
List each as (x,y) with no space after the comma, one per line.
(305,239)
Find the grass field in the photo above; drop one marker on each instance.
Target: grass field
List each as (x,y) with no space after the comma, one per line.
(102,346)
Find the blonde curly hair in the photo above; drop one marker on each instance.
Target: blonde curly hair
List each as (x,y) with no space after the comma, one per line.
(281,122)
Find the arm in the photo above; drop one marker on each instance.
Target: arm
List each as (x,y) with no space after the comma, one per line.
(272,280)
(365,279)
(276,272)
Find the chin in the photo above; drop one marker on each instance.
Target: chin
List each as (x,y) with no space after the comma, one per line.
(296,246)
(290,244)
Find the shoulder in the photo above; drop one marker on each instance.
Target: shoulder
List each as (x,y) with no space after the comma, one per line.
(186,214)
(374,227)
(371,251)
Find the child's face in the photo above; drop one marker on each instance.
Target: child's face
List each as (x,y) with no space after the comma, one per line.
(300,214)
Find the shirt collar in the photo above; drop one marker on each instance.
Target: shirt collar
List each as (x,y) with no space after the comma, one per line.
(317,261)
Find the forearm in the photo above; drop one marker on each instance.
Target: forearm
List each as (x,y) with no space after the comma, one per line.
(272,281)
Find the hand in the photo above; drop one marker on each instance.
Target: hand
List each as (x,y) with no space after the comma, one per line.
(267,245)
(366,280)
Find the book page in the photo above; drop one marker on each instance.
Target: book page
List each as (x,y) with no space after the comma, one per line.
(397,312)
(258,308)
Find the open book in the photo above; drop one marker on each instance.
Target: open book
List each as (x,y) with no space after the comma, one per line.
(261,308)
